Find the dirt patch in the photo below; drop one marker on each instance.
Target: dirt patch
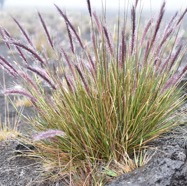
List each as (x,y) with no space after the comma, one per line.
(17,169)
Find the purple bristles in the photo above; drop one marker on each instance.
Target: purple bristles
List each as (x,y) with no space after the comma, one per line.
(181,17)
(98,23)
(123,49)
(108,40)
(21,54)
(5,35)
(70,25)
(6,32)
(146,30)
(164,65)
(171,82)
(175,56)
(133,17)
(43,74)
(8,64)
(69,83)
(9,70)
(46,30)
(70,38)
(136,3)
(23,31)
(48,134)
(91,61)
(68,62)
(174,80)
(89,8)
(165,37)
(83,79)
(22,92)
(31,51)
(28,79)
(160,17)
(171,21)
(146,54)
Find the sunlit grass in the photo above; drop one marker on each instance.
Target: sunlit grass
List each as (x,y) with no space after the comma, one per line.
(9,126)
(106,98)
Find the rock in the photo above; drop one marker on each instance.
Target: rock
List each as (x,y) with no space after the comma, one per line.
(168,167)
(17,170)
(180,177)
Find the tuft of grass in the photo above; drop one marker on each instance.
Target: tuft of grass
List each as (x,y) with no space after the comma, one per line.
(7,133)
(24,102)
(106,99)
(9,127)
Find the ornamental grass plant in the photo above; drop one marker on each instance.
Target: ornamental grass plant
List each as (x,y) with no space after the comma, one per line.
(100,102)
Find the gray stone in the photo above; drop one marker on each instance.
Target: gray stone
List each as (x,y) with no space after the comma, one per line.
(167,167)
(18,170)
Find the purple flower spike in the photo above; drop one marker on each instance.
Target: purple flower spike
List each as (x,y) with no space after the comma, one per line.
(48,134)
(89,8)
(46,30)
(21,92)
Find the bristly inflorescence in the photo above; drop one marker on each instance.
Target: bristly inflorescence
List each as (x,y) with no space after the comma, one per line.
(148,39)
(48,134)
(46,30)
(22,92)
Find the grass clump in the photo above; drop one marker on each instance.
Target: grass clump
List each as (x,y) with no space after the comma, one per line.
(9,127)
(107,99)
